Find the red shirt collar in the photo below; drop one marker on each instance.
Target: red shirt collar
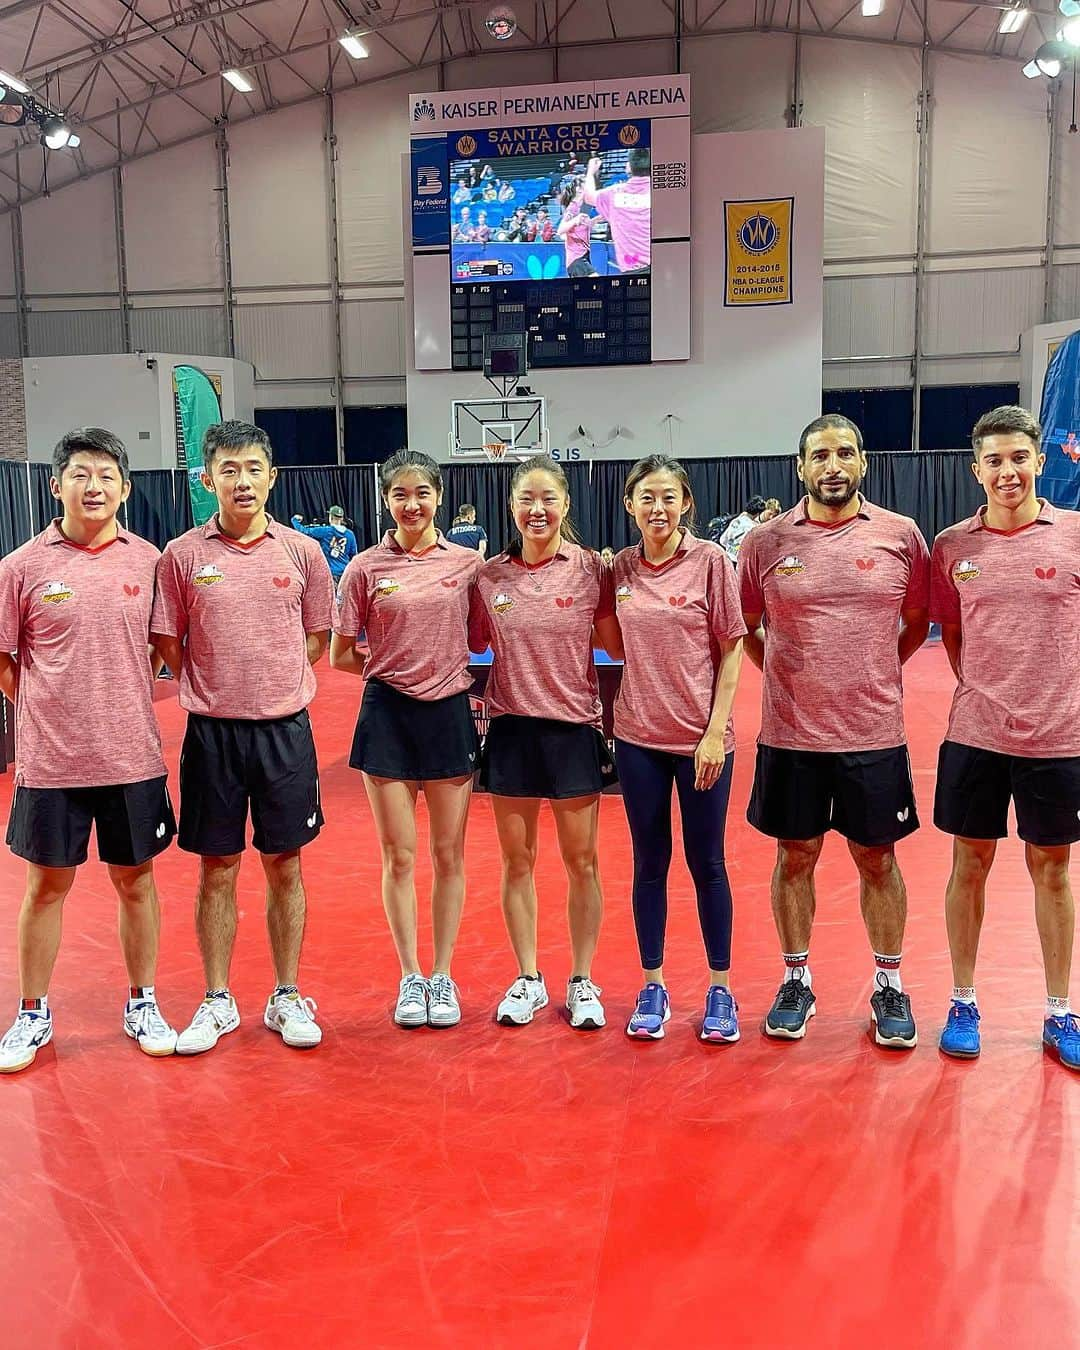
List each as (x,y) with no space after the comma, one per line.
(1046,516)
(54,535)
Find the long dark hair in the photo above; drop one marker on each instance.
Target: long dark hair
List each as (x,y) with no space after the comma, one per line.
(415,460)
(542,464)
(663,464)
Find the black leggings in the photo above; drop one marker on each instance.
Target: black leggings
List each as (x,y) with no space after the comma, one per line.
(646,777)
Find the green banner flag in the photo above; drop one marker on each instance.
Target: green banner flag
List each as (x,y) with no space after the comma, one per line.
(199,408)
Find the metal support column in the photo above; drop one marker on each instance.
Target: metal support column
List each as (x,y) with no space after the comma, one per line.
(1051,201)
(21,307)
(222,141)
(121,257)
(678,36)
(923,126)
(794,117)
(335,275)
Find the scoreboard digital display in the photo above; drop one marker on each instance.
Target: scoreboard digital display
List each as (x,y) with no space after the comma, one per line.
(595,322)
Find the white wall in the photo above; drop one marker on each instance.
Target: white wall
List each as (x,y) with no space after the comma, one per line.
(131,395)
(988,155)
(755,368)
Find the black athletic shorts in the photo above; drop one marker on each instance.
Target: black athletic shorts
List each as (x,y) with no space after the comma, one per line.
(974,788)
(229,764)
(51,826)
(412,739)
(866,796)
(538,757)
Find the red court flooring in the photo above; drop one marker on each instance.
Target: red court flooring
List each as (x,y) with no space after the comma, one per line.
(483,1187)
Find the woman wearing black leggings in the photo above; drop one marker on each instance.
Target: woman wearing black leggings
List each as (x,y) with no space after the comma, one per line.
(682,629)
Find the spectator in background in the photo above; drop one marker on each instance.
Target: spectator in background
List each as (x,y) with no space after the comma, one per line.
(462,193)
(482,233)
(338,543)
(545,230)
(465,532)
(490,192)
(716,527)
(517,231)
(757,511)
(506,192)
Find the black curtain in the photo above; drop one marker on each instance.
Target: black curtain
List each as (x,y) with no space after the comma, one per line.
(313,491)
(14,508)
(45,505)
(151,507)
(487,487)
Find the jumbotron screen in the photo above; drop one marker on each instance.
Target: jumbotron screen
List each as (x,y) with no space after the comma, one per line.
(552,216)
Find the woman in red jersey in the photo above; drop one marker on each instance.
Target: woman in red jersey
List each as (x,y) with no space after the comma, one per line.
(410,593)
(540,605)
(676,593)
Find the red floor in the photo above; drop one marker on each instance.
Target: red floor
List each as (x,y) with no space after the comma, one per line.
(537,1188)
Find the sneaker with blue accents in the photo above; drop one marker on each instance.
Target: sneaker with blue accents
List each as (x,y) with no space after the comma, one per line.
(721,1020)
(960,1034)
(1062,1036)
(890,1012)
(793,1006)
(23,1039)
(652,1011)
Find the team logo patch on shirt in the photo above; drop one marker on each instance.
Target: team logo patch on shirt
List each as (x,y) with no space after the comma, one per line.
(790,566)
(208,575)
(56,592)
(502,602)
(965,570)
(386,586)
(622,595)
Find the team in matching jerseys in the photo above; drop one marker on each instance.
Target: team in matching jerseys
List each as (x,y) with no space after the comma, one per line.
(830,599)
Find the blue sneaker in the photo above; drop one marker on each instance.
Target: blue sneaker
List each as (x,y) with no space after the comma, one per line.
(652,1011)
(960,1034)
(890,1011)
(721,1020)
(792,1008)
(1062,1035)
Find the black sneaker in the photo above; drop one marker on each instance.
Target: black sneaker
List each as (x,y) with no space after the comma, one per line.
(791,1010)
(894,1025)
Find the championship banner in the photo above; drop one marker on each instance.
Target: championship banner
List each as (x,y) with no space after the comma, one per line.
(757,252)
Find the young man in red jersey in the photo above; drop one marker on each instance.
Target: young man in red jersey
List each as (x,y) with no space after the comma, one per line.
(243,611)
(842,588)
(75,612)
(1006,590)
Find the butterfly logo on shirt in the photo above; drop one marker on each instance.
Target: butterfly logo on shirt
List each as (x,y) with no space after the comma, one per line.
(386,586)
(622,595)
(677,601)
(564,603)
(56,592)
(502,602)
(282,583)
(450,584)
(131,590)
(208,575)
(1046,573)
(965,570)
(791,566)
(864,564)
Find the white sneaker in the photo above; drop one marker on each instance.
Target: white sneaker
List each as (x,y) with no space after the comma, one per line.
(444,1010)
(213,1018)
(411,1009)
(23,1039)
(145,1025)
(293,1018)
(524,998)
(584,1006)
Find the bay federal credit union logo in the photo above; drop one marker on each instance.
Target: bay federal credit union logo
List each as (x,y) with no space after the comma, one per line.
(758,252)
(430,191)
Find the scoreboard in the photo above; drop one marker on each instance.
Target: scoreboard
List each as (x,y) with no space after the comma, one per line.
(593,321)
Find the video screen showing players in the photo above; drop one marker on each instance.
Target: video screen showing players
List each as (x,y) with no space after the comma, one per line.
(542,217)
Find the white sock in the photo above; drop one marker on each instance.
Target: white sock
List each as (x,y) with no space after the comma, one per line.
(796,967)
(36,1007)
(1057,1007)
(888,971)
(964,993)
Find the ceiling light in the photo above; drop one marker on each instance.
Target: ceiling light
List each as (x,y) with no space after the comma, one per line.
(1071,33)
(1012,20)
(1032,71)
(55,132)
(238,80)
(1049,58)
(13,83)
(1070,8)
(872,8)
(352,44)
(74,142)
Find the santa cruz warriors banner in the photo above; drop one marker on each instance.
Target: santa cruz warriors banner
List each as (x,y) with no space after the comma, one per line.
(757,252)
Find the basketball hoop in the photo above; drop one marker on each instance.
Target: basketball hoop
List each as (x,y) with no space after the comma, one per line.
(495,451)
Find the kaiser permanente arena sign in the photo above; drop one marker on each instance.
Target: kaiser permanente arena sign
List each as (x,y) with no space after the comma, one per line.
(664,96)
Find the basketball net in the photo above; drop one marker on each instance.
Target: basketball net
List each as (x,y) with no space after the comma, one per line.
(495,450)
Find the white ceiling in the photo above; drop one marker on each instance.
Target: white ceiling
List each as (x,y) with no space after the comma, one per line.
(138,75)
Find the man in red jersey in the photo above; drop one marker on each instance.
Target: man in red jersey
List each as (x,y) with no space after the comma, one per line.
(243,610)
(843,589)
(75,612)
(1005,588)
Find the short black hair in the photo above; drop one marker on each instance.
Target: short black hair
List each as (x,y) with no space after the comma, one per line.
(755,505)
(1005,420)
(94,440)
(639,162)
(234,435)
(829,422)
